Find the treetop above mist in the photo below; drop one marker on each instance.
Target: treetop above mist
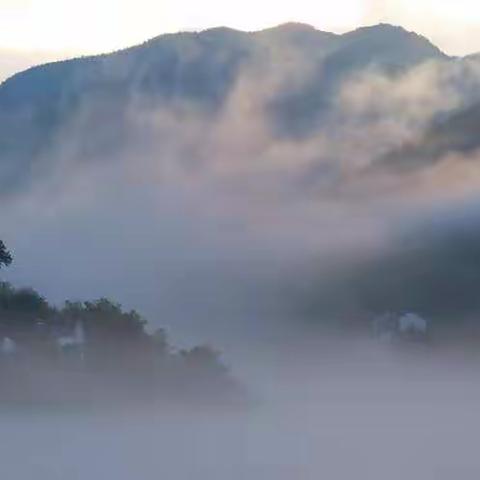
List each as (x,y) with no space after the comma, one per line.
(96,352)
(5,256)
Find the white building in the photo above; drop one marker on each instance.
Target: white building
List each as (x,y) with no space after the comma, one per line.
(390,327)
(411,323)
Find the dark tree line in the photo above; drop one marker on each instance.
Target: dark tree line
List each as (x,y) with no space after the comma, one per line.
(99,348)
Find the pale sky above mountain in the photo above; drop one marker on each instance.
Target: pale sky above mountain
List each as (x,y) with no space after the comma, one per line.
(59,28)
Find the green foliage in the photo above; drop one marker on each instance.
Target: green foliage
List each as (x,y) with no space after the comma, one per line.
(20,307)
(114,352)
(5,256)
(105,319)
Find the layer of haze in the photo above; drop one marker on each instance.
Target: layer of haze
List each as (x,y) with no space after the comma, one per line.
(351,411)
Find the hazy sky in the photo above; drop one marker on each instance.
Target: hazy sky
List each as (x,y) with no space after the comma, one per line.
(98,25)
(36,31)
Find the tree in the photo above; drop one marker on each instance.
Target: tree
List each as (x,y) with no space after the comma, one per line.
(204,359)
(5,256)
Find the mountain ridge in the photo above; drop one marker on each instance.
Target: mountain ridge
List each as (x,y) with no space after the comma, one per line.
(293,27)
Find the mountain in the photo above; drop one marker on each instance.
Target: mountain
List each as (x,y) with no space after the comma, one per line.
(455,131)
(385,48)
(388,45)
(307,66)
(458,133)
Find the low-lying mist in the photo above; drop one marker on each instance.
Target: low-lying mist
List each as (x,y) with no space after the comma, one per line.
(351,409)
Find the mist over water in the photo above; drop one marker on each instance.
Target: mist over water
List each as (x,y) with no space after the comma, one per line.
(345,410)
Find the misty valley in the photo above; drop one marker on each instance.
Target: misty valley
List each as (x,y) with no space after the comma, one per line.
(242,255)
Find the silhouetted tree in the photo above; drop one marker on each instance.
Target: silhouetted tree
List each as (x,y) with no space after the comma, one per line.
(5,256)
(117,353)
(204,359)
(22,308)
